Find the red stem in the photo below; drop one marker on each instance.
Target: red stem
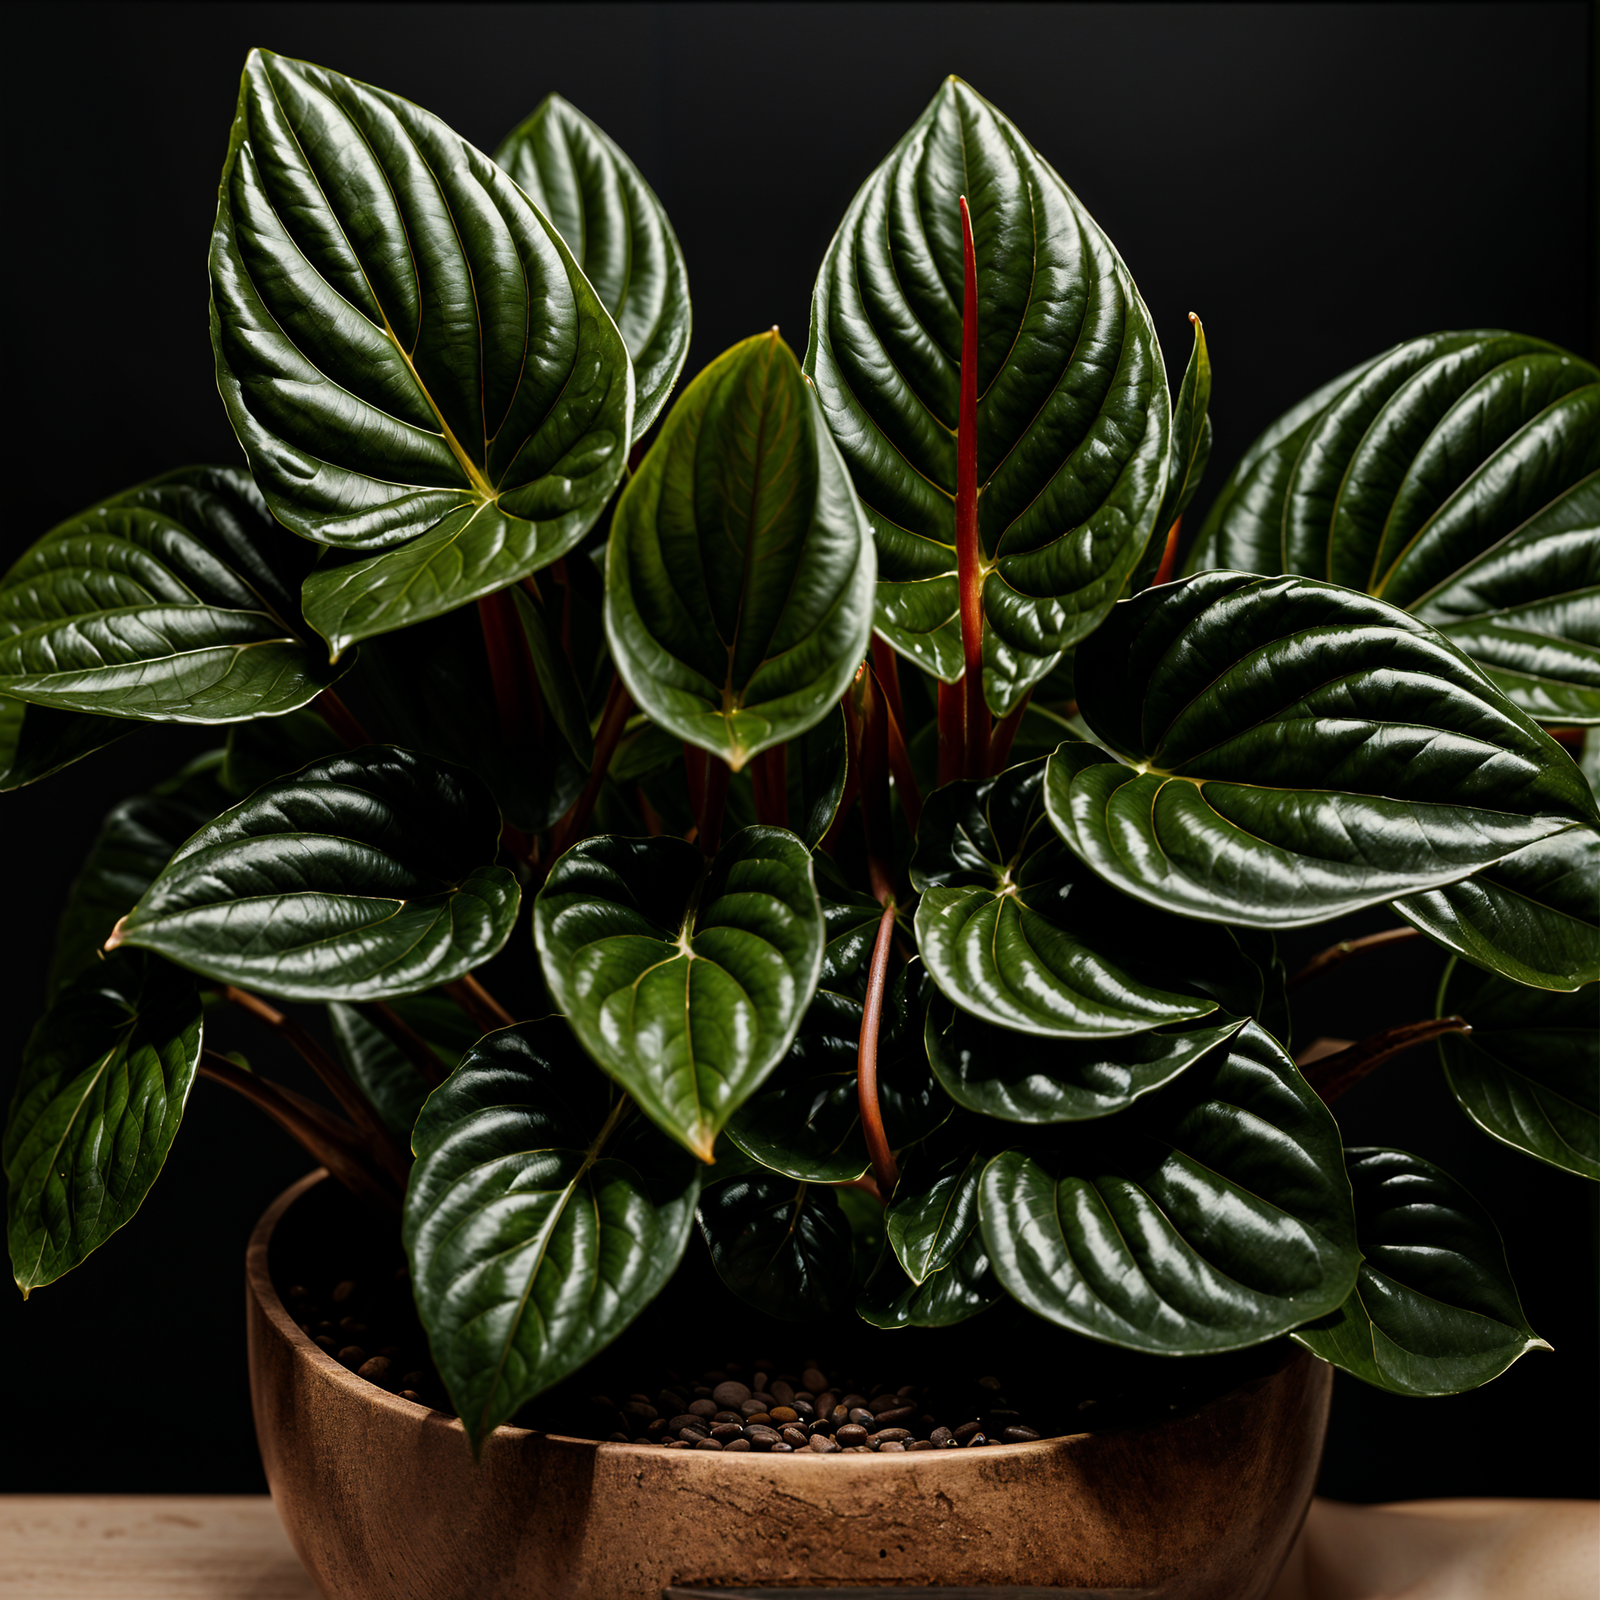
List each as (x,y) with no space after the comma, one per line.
(485,1011)
(875,814)
(883,1165)
(694,770)
(708,831)
(951,756)
(1333,1075)
(1169,556)
(975,720)
(769,777)
(1005,732)
(407,1040)
(516,685)
(612,721)
(1337,954)
(338,716)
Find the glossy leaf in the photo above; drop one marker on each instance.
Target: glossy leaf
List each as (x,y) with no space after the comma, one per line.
(851,917)
(1022,1078)
(1212,1215)
(383,1072)
(416,367)
(805,1120)
(953,1294)
(740,570)
(1190,450)
(134,843)
(816,769)
(1434,1310)
(1534,917)
(782,1246)
(1073,413)
(927,1224)
(685,983)
(36,742)
(541,1218)
(1529,1072)
(173,602)
(105,1075)
(1298,751)
(351,880)
(1019,933)
(618,234)
(1456,476)
(430,689)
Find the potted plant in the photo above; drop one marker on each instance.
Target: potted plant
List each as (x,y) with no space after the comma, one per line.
(896,817)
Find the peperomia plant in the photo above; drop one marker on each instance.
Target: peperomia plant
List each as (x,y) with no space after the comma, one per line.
(887,824)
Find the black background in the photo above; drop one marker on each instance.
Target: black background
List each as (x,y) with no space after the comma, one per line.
(1316,182)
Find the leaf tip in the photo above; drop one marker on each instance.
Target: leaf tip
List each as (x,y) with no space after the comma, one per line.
(701,1141)
(117,933)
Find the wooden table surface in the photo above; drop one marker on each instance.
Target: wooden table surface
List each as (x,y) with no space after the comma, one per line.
(232,1547)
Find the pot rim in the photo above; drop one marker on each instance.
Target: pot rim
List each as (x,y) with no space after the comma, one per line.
(259,1278)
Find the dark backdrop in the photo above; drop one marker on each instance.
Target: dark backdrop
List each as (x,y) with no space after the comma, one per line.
(1316,181)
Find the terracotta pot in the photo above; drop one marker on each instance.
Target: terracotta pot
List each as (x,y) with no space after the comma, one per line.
(382,1500)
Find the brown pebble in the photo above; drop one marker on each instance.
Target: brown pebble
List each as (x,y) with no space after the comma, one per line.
(795,1436)
(782,1449)
(891,1446)
(727,1430)
(729,1416)
(838,1414)
(692,1435)
(897,1417)
(851,1433)
(708,1444)
(616,1438)
(411,1395)
(921,1444)
(688,1419)
(780,1391)
(657,1427)
(703,1408)
(813,1380)
(352,1355)
(852,1400)
(861,1414)
(889,1436)
(330,1345)
(1016,1434)
(750,1407)
(941,1437)
(784,1414)
(375,1370)
(343,1291)
(298,1292)
(737,1444)
(352,1325)
(758,1419)
(730,1396)
(966,1431)
(822,1444)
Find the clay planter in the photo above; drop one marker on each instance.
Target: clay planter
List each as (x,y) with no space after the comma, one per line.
(382,1500)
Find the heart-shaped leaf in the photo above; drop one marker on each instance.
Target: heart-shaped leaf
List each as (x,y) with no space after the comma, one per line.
(1534,917)
(927,1223)
(618,234)
(963,1288)
(686,982)
(1456,476)
(430,689)
(1529,1072)
(740,570)
(1023,1078)
(1434,1310)
(134,843)
(414,363)
(1018,932)
(542,1216)
(36,742)
(1213,1214)
(805,1120)
(384,1073)
(351,880)
(105,1075)
(1073,416)
(784,1247)
(173,602)
(1298,751)
(1190,450)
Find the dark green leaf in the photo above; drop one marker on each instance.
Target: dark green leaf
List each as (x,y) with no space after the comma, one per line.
(173,602)
(1434,1310)
(560,692)
(539,1221)
(430,689)
(1529,1072)
(816,770)
(1297,751)
(351,880)
(1018,932)
(1534,917)
(415,365)
(740,570)
(1073,411)
(1023,1078)
(805,1120)
(1190,451)
(1456,476)
(382,1070)
(618,234)
(927,1223)
(685,983)
(851,917)
(36,742)
(784,1247)
(1211,1215)
(958,1291)
(105,1075)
